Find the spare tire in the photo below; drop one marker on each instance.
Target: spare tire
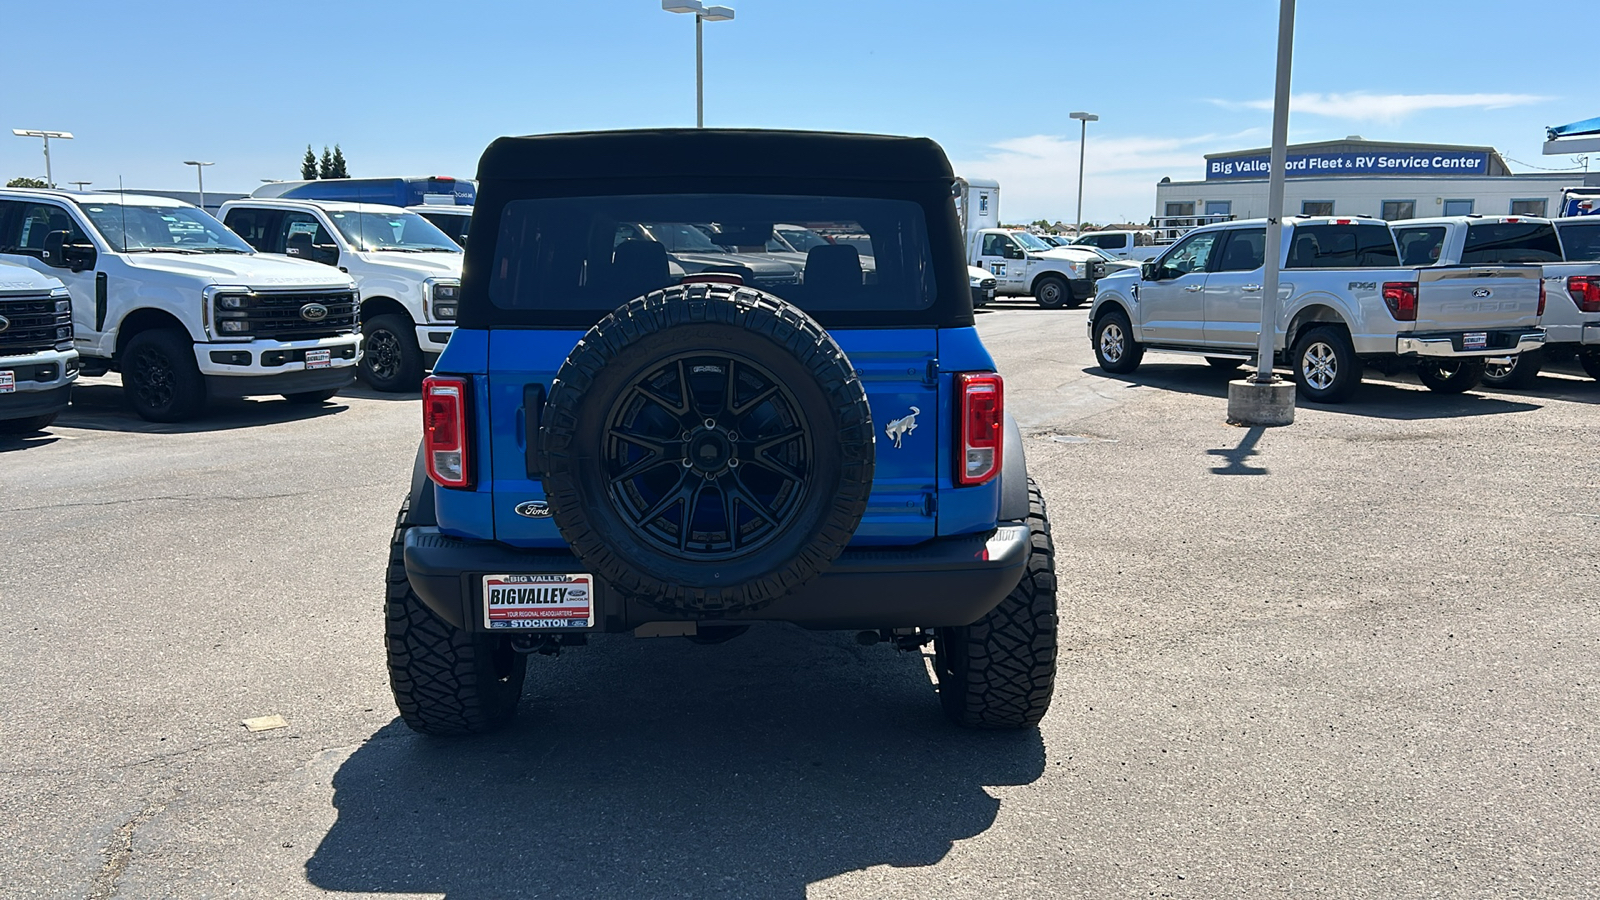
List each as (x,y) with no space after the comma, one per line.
(707,449)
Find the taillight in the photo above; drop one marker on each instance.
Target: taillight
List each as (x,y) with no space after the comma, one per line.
(444,431)
(1585,291)
(1401,298)
(980,425)
(1541,297)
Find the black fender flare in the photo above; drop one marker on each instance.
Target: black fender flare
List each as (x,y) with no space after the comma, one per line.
(422,510)
(1013,476)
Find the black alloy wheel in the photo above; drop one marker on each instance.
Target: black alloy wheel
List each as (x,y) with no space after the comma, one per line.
(708,456)
(1451,376)
(391,360)
(160,377)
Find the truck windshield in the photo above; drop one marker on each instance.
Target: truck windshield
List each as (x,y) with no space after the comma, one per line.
(1029,242)
(162,229)
(1581,242)
(1511,242)
(596,253)
(401,232)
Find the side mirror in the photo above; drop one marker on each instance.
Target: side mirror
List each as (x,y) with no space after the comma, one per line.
(1147,271)
(1011,251)
(62,255)
(328,254)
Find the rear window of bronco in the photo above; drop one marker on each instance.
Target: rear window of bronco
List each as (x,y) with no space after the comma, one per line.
(596,253)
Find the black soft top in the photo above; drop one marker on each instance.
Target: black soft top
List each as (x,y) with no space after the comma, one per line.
(718,161)
(715,152)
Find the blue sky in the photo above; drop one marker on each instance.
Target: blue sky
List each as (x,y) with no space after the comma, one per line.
(421,88)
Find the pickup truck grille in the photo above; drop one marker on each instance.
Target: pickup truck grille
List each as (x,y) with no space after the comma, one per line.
(32,325)
(283,316)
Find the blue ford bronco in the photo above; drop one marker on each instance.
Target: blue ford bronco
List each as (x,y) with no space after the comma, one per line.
(631,432)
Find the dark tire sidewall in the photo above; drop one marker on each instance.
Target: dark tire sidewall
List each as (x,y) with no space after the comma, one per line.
(174,356)
(397,351)
(1063,292)
(1468,372)
(1347,366)
(578,487)
(1131,352)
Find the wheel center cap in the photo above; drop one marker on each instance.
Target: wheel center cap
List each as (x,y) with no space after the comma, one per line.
(709,451)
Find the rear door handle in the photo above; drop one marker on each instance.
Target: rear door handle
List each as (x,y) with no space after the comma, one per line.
(1194,287)
(1251,288)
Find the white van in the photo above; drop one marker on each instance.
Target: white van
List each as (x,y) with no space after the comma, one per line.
(183,309)
(408,271)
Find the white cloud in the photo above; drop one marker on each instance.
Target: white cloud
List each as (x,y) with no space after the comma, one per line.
(1387,108)
(1038,174)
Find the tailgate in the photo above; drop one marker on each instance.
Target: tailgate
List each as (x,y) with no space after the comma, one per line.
(1484,298)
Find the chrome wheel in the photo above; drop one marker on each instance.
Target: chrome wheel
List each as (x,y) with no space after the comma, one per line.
(1500,370)
(1113,343)
(1319,365)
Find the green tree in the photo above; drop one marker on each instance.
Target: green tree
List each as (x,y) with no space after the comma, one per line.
(25,181)
(1042,223)
(325,168)
(339,170)
(308,166)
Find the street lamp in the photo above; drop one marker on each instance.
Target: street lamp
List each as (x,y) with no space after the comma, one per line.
(702,13)
(80,184)
(200,172)
(1083,137)
(47,135)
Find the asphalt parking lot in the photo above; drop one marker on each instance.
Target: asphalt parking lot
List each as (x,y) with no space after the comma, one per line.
(1355,657)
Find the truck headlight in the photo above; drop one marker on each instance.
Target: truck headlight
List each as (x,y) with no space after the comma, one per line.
(233,326)
(230,301)
(446,300)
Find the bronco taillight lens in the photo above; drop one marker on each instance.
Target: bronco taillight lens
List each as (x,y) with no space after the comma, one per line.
(1585,291)
(444,431)
(1401,298)
(981,402)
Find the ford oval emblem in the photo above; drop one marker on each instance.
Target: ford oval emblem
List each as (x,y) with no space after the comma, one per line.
(313,312)
(533,509)
(4,323)
(1481,293)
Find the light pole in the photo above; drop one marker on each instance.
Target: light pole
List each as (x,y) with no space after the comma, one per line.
(1083,137)
(200,172)
(1262,400)
(49,180)
(702,14)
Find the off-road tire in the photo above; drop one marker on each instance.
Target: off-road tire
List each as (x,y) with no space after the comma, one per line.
(1451,376)
(1120,354)
(391,359)
(1518,374)
(1000,671)
(1053,293)
(633,341)
(160,378)
(311,398)
(28,425)
(445,681)
(1319,350)
(1589,358)
(1224,364)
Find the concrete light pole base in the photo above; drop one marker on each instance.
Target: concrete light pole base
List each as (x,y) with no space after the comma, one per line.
(1253,403)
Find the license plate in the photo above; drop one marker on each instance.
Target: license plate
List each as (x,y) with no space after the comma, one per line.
(319,359)
(538,601)
(1475,340)
(8,382)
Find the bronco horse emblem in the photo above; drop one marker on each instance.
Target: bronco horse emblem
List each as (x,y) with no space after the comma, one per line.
(901,427)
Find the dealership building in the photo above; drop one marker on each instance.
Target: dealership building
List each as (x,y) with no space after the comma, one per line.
(1356,177)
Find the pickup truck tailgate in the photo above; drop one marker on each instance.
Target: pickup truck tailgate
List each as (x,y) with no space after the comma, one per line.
(1477,298)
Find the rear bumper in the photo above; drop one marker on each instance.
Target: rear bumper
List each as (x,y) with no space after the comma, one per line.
(947,581)
(1591,334)
(1500,343)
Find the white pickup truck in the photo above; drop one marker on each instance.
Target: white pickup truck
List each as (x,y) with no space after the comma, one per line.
(408,271)
(37,362)
(1571,280)
(1025,266)
(1344,302)
(166,295)
(1136,245)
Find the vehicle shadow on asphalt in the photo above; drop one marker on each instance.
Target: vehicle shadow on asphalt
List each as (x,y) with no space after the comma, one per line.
(1376,398)
(102,407)
(642,768)
(362,392)
(13,442)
